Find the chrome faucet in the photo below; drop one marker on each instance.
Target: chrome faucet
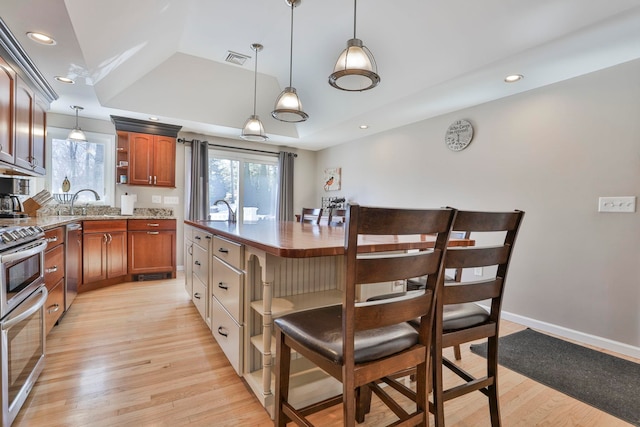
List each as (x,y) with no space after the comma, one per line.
(232,214)
(75,196)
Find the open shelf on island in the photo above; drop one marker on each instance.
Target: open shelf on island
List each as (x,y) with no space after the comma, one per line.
(292,303)
(308,384)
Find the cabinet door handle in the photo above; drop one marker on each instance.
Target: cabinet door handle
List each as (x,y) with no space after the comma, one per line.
(153,224)
(53,308)
(208,237)
(52,269)
(155,179)
(221,285)
(153,232)
(197,262)
(190,249)
(52,239)
(223,250)
(198,238)
(110,238)
(149,179)
(196,295)
(222,332)
(105,238)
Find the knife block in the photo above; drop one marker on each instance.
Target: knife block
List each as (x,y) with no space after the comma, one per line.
(31,207)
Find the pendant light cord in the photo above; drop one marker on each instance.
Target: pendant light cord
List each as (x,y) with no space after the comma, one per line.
(354,18)
(255,83)
(293,4)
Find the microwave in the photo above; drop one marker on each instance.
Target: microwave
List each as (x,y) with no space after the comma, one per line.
(14,186)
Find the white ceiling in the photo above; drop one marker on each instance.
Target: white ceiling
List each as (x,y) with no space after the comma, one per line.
(166,57)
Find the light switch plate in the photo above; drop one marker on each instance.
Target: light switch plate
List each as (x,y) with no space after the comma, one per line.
(171,200)
(617,204)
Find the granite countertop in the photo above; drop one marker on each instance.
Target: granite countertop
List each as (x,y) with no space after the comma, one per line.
(49,220)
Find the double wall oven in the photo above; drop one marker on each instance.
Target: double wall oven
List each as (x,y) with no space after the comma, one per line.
(22,321)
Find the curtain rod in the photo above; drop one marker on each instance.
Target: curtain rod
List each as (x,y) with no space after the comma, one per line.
(182,140)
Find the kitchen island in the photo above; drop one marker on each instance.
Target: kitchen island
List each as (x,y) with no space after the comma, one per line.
(265,269)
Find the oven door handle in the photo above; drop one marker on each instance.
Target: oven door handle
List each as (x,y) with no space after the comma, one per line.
(17,256)
(12,321)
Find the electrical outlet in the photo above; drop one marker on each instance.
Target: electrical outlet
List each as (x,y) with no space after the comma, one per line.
(156,199)
(617,204)
(171,200)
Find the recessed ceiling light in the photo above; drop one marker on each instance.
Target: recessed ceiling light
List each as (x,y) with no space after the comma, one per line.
(154,119)
(513,78)
(364,126)
(41,38)
(65,80)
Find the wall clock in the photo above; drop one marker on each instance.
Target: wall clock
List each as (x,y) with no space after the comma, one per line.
(459,135)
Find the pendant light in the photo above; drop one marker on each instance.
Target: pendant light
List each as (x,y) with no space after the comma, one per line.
(288,106)
(253,129)
(356,69)
(76,133)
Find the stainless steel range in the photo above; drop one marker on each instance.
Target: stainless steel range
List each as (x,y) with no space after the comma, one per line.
(22,300)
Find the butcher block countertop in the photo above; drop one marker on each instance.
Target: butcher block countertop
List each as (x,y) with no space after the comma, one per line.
(302,240)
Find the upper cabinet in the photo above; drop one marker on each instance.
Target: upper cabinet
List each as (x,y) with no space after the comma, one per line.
(7,102)
(145,152)
(30,129)
(25,97)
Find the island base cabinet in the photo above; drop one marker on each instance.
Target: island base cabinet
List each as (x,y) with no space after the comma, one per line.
(199,298)
(228,334)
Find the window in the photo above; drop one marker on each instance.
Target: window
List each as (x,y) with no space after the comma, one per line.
(247,182)
(84,164)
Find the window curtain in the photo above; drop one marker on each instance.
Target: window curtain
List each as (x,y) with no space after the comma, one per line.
(285,195)
(199,188)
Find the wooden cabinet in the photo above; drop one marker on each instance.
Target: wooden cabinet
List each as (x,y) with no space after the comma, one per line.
(104,250)
(7,102)
(152,160)
(122,158)
(30,127)
(25,96)
(152,247)
(54,276)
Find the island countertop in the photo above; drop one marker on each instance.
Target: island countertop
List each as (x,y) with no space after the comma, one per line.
(301,240)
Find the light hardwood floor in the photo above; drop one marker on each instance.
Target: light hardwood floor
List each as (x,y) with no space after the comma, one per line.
(139,354)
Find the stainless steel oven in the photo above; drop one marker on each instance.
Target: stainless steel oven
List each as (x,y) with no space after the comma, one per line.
(22,319)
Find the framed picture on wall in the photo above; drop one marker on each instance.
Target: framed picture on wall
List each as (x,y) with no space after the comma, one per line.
(332,179)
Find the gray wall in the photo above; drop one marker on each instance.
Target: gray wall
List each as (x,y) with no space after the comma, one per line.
(550,152)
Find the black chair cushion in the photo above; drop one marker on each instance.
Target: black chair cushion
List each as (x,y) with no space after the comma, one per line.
(461,316)
(320,330)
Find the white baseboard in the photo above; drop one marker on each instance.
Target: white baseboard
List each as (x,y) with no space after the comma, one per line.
(581,337)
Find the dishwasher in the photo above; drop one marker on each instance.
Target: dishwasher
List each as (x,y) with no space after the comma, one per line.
(73,263)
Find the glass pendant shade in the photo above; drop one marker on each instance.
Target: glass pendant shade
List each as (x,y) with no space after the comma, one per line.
(288,107)
(253,129)
(76,133)
(355,69)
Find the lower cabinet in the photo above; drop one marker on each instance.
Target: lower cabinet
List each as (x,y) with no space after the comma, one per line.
(227,299)
(228,333)
(152,246)
(54,276)
(104,250)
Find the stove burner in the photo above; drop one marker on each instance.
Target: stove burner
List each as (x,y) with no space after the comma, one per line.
(16,235)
